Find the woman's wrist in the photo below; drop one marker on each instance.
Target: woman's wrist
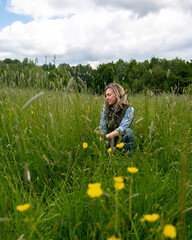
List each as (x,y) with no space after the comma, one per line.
(107,135)
(112,134)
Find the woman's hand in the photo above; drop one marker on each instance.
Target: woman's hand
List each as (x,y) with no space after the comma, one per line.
(112,134)
(100,133)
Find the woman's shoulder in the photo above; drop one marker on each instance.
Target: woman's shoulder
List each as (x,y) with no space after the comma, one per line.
(130,109)
(103,110)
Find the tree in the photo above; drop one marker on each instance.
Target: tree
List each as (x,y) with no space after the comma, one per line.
(103,75)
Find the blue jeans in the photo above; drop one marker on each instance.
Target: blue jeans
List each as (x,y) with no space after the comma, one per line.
(128,139)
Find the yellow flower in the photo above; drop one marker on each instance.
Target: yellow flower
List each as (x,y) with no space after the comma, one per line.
(169,231)
(85,145)
(113,238)
(109,150)
(94,190)
(120,145)
(150,217)
(118,179)
(119,184)
(132,169)
(24,207)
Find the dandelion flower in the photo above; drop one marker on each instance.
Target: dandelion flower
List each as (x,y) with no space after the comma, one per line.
(113,238)
(24,207)
(132,169)
(85,145)
(32,112)
(169,231)
(119,184)
(120,145)
(94,190)
(109,150)
(150,217)
(118,179)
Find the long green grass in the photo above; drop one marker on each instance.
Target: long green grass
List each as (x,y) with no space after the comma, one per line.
(43,135)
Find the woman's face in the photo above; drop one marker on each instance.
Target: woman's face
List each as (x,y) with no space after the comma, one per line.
(110,97)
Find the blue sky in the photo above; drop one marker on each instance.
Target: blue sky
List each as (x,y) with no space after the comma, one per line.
(7,17)
(95,31)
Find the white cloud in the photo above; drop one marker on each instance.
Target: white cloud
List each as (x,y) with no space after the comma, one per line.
(61,8)
(137,6)
(48,8)
(98,35)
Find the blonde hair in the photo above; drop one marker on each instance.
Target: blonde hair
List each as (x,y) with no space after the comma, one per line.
(119,93)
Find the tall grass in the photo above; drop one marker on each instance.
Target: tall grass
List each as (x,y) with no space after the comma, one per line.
(43,134)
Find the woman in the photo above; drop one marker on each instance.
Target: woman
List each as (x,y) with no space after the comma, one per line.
(117,117)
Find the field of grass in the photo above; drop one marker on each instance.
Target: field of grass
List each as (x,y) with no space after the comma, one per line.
(43,163)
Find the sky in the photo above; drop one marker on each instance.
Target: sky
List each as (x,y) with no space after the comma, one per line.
(95,31)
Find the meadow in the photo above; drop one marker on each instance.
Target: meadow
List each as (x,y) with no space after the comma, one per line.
(50,153)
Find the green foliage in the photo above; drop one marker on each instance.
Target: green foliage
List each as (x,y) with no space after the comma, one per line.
(188,89)
(48,67)
(156,74)
(103,76)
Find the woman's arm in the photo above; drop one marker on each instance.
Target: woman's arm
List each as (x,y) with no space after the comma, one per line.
(103,122)
(126,121)
(113,134)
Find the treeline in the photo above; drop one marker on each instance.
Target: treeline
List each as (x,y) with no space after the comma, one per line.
(155,75)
